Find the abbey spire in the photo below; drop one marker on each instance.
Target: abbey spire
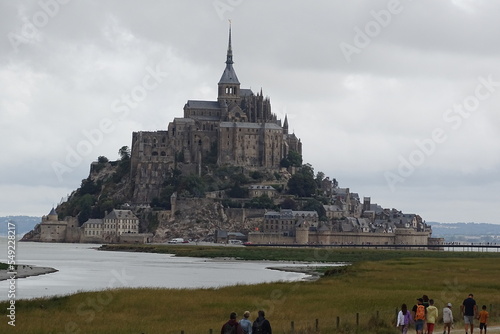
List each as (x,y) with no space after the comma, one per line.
(229,86)
(229,56)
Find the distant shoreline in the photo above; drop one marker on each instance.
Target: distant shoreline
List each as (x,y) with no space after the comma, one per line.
(24,271)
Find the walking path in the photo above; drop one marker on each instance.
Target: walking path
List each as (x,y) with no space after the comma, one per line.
(461,329)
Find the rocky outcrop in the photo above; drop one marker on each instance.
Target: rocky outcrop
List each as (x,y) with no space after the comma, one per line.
(199,218)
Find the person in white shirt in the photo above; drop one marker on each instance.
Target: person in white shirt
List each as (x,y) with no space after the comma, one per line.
(447,319)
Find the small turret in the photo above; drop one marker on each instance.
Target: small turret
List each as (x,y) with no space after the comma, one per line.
(52,216)
(285,125)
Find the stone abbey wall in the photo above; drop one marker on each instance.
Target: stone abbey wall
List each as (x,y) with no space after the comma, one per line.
(401,237)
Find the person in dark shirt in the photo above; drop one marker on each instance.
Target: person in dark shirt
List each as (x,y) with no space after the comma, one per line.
(232,325)
(469,311)
(261,325)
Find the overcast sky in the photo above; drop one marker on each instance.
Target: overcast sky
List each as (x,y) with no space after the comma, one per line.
(397,100)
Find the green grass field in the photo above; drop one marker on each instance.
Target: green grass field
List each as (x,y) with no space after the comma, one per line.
(373,287)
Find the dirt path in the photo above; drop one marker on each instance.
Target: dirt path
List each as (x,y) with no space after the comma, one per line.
(460,329)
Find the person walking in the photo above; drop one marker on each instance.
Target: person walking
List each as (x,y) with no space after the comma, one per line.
(246,324)
(261,325)
(231,326)
(419,315)
(483,319)
(404,319)
(447,318)
(469,311)
(431,316)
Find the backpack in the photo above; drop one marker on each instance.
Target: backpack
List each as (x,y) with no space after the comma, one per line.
(230,329)
(257,327)
(420,313)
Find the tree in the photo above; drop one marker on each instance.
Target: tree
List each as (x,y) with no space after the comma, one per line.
(256,175)
(285,163)
(237,191)
(102,159)
(320,176)
(261,202)
(124,153)
(84,206)
(238,178)
(163,201)
(210,158)
(289,203)
(89,187)
(314,205)
(295,158)
(302,183)
(193,185)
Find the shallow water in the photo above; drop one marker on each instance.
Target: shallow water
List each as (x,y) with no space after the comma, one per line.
(83,268)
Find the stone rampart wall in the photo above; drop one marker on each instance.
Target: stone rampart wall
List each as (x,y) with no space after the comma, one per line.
(344,238)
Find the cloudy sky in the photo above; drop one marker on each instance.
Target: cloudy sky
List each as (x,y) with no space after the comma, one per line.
(397,100)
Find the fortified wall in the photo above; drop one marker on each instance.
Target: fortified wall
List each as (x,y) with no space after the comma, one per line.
(304,237)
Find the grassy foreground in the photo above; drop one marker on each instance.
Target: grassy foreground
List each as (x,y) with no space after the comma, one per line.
(368,287)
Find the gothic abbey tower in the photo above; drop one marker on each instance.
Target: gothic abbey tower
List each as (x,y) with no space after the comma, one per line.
(239,129)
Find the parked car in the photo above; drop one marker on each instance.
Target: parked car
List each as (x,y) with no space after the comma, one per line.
(176,241)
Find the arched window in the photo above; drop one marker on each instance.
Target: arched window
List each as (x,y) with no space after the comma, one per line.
(154,153)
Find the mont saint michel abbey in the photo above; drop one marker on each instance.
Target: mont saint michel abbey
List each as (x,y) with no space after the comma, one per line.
(239,129)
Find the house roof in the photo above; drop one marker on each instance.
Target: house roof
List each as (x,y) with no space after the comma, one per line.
(246,92)
(92,221)
(229,76)
(198,104)
(179,120)
(332,207)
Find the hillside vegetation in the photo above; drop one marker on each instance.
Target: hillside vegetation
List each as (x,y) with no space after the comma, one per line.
(110,186)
